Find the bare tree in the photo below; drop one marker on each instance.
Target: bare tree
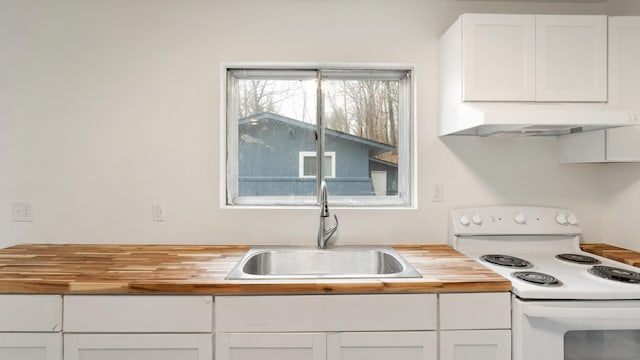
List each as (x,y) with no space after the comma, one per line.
(365,108)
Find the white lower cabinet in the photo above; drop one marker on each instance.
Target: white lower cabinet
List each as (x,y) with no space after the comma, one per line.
(268,346)
(138,327)
(327,346)
(475,326)
(30,327)
(420,345)
(475,345)
(327,327)
(138,347)
(38,346)
(455,326)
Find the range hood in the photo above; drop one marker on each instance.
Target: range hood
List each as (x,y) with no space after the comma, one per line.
(528,75)
(529,118)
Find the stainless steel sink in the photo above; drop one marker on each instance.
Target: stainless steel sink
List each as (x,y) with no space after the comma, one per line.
(310,263)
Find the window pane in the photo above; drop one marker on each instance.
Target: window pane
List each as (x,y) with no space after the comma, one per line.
(327,168)
(276,121)
(361,117)
(310,165)
(602,344)
(271,136)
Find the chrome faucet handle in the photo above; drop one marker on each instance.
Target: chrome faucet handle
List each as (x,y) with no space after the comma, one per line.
(324,203)
(329,231)
(324,233)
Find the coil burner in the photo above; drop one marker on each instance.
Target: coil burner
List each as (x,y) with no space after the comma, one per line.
(537,278)
(616,274)
(506,260)
(578,259)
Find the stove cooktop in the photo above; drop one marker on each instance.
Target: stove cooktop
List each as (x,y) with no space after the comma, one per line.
(539,251)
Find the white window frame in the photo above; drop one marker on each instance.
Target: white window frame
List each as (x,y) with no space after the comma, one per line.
(305,154)
(407,160)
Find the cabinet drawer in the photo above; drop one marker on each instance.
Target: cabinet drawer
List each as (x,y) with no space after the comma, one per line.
(42,313)
(326,313)
(475,311)
(138,313)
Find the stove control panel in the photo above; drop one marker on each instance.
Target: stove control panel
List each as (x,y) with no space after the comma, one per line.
(513,220)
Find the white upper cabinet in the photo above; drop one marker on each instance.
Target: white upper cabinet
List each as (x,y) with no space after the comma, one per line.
(623,143)
(571,58)
(499,57)
(624,53)
(620,144)
(550,58)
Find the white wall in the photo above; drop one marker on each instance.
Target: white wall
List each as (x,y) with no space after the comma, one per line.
(108,105)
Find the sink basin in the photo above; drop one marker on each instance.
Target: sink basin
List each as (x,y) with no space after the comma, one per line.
(310,263)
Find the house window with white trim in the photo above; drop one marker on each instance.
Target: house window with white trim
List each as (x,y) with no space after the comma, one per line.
(277,118)
(308,167)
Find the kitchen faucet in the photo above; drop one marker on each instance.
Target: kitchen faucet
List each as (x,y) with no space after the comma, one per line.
(324,233)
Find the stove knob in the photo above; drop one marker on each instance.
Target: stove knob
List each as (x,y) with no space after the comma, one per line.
(519,218)
(572,220)
(476,219)
(464,220)
(561,219)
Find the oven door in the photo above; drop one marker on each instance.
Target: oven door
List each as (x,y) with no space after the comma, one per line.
(576,330)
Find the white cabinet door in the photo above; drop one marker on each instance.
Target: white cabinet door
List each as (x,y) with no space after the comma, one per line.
(270,346)
(571,58)
(475,345)
(624,72)
(138,347)
(382,346)
(32,346)
(617,144)
(498,57)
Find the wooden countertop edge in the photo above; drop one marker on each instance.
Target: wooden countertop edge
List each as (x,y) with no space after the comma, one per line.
(236,288)
(626,256)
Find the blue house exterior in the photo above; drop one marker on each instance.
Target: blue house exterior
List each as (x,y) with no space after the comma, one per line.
(272,149)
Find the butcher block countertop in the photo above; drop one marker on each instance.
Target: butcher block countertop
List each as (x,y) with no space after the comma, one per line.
(614,253)
(201,269)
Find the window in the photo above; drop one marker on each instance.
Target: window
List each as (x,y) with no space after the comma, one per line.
(309,165)
(279,119)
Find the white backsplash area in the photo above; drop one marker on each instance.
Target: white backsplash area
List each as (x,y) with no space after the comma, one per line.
(622,205)
(106,107)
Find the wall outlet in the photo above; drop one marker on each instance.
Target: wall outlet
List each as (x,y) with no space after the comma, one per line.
(437,193)
(22,211)
(158,211)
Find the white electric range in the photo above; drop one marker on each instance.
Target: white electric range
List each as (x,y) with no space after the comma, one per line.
(567,304)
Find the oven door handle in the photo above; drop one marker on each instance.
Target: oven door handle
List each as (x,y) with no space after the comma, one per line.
(542,311)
